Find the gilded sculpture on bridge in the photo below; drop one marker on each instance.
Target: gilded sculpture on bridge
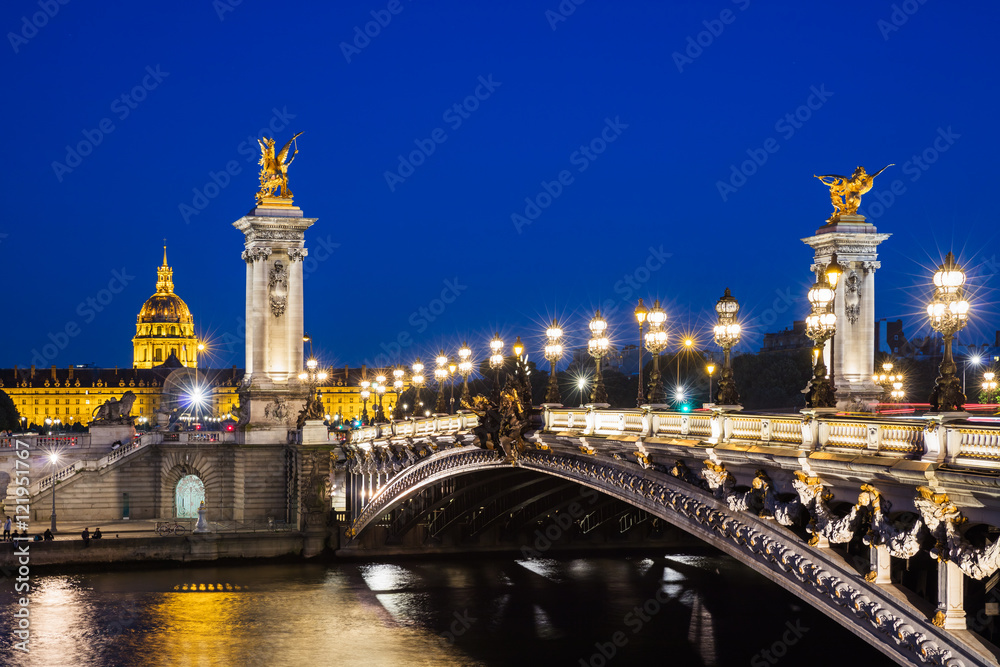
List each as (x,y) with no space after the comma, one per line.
(846,191)
(274,169)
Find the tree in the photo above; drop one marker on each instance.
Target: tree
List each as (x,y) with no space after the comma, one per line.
(10,419)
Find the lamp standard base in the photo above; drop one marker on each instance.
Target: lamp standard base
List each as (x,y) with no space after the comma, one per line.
(597,406)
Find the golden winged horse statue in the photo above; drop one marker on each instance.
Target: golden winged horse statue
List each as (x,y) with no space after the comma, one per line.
(846,191)
(274,168)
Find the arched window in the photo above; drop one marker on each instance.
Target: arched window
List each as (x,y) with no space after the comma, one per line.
(159,331)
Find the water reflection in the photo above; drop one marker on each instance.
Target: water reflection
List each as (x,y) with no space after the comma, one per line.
(693,609)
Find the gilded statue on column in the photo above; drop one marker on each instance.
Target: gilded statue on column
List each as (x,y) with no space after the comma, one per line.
(274,169)
(846,191)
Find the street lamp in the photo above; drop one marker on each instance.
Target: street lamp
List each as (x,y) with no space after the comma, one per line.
(989,385)
(465,367)
(418,381)
(553,351)
(710,368)
(452,369)
(397,386)
(640,315)
(598,346)
(656,342)
(820,327)
(581,384)
(365,394)
(53,458)
(379,388)
(727,334)
(974,359)
(440,375)
(891,384)
(496,361)
(948,312)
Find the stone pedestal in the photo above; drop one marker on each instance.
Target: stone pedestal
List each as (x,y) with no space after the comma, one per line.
(950,613)
(202,525)
(315,432)
(272,394)
(881,565)
(853,347)
(107,434)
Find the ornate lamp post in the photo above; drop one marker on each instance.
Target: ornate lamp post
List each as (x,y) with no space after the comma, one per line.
(886,379)
(727,334)
(441,374)
(365,394)
(452,370)
(417,379)
(313,377)
(553,351)
(820,327)
(948,313)
(989,386)
(397,386)
(465,367)
(656,342)
(379,388)
(597,346)
(496,362)
(640,315)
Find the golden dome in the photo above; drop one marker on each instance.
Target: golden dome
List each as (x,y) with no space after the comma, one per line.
(164,308)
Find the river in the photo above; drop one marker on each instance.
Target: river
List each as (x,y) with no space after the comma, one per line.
(694,608)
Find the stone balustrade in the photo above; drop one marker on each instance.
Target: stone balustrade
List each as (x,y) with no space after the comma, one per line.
(959,444)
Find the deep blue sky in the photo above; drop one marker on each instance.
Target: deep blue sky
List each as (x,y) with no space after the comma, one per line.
(889,94)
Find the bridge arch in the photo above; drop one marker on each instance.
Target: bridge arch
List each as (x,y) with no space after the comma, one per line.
(818,576)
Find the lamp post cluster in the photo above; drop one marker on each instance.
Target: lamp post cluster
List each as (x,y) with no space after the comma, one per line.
(989,387)
(948,312)
(892,384)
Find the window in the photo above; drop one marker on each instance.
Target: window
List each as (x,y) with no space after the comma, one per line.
(157,355)
(159,330)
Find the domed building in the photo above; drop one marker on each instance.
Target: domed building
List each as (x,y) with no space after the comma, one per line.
(164,327)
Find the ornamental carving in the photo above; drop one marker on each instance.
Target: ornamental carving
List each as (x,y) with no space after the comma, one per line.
(273,235)
(277,284)
(276,410)
(297,254)
(943,518)
(251,255)
(852,296)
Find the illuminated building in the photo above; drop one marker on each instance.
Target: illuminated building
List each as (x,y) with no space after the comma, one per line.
(164,326)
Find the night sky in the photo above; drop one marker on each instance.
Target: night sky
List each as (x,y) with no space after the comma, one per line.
(620,123)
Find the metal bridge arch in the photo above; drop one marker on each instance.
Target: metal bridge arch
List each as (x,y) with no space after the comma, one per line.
(817,576)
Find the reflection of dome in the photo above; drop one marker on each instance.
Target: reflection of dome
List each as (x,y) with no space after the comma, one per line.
(164,327)
(164,308)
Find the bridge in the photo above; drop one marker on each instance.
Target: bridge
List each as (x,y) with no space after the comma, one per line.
(840,510)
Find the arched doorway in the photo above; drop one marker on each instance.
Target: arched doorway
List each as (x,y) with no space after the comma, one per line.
(188,497)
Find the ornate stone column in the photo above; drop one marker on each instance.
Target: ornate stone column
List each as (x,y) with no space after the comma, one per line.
(853,346)
(272,395)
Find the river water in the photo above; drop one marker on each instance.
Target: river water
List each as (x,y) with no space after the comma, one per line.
(611,609)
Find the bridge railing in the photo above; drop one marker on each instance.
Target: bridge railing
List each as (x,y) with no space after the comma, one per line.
(957,442)
(415,428)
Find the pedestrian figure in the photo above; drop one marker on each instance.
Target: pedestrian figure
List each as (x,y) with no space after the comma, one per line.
(6,529)
(97,533)
(47,535)
(86,537)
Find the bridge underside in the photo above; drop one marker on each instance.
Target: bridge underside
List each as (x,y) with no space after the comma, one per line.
(464,493)
(512,509)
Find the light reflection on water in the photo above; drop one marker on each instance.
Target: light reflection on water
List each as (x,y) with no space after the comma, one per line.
(420,612)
